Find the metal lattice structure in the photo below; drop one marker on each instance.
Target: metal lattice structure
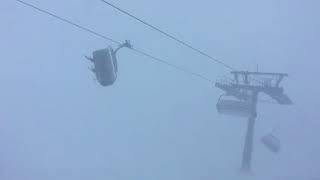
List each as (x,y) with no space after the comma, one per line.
(241,99)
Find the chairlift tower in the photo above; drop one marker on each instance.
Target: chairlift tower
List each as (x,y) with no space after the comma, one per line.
(241,99)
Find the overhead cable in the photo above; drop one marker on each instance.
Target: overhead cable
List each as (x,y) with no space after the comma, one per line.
(174,38)
(88,30)
(169,35)
(173,66)
(68,22)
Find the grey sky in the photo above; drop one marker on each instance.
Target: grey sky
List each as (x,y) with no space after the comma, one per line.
(155,122)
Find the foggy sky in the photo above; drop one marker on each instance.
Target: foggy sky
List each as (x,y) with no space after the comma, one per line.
(154,122)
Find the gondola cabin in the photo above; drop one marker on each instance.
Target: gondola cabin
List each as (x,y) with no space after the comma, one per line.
(271,142)
(105,66)
(228,105)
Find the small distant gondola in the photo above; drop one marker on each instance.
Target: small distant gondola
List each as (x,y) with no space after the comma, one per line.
(271,142)
(232,106)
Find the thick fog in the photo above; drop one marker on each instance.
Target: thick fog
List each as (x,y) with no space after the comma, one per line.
(57,122)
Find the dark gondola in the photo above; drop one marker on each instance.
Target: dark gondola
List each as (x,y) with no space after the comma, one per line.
(106,65)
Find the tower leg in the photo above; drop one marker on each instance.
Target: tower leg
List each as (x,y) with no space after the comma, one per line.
(248,146)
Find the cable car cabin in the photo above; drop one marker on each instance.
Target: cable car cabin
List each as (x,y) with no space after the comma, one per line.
(105,66)
(228,105)
(271,142)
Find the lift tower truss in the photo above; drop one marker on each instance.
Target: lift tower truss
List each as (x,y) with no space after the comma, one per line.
(244,90)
